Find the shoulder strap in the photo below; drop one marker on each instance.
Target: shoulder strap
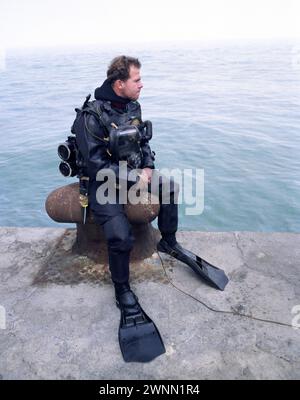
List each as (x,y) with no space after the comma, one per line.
(91,107)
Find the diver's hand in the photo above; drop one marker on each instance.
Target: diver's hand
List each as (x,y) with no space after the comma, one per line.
(144,178)
(147,173)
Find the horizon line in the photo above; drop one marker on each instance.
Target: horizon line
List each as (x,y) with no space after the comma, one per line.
(148,42)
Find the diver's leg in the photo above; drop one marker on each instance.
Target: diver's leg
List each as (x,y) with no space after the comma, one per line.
(120,240)
(118,234)
(139,338)
(167,190)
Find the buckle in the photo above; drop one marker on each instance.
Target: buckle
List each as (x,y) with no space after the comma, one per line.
(132,320)
(173,253)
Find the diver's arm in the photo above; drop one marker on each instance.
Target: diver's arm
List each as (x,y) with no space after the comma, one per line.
(148,158)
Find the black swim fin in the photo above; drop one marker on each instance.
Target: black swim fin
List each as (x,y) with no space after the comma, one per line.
(139,338)
(213,275)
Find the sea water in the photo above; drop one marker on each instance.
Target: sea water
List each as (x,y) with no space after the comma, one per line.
(230,110)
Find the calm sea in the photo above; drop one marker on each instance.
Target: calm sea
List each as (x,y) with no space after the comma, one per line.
(229,109)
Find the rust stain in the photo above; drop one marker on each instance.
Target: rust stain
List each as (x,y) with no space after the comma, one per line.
(66,267)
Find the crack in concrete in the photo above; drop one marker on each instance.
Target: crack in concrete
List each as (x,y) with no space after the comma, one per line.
(274,355)
(269,274)
(235,234)
(23,298)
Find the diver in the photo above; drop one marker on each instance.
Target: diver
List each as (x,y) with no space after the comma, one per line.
(110,129)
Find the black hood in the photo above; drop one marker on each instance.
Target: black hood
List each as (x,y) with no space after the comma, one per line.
(106,92)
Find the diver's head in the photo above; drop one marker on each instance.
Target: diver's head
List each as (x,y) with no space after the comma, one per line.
(124,76)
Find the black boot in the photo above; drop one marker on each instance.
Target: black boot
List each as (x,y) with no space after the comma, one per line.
(126,300)
(213,275)
(170,238)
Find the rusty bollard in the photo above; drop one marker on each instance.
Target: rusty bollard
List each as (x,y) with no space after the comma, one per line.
(62,205)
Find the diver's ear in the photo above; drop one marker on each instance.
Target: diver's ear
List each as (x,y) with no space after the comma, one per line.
(119,84)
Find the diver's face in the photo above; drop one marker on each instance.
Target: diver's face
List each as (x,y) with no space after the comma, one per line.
(132,87)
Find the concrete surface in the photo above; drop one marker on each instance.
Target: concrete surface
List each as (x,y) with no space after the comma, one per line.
(62,323)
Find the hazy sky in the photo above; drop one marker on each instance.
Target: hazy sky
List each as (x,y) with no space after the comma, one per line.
(61,22)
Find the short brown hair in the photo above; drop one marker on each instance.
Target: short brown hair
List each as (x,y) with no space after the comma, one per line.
(120,66)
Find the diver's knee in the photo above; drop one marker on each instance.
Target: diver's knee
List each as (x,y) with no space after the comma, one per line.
(118,234)
(121,244)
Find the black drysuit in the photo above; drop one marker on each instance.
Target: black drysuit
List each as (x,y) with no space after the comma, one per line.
(112,217)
